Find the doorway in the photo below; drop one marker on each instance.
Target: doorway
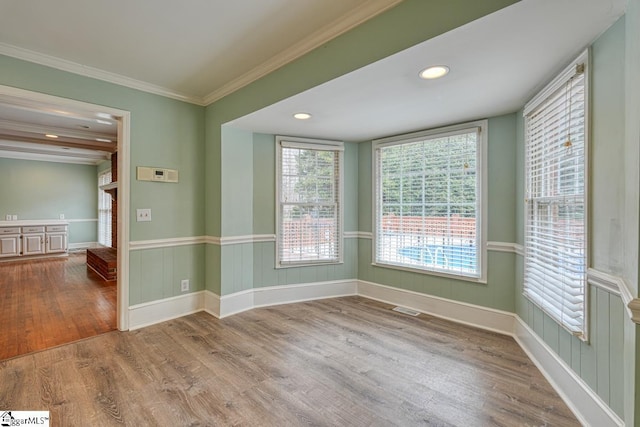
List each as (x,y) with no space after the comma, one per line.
(52,106)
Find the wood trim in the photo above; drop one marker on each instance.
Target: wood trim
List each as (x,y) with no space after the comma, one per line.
(502,247)
(150,313)
(286,294)
(83,245)
(345,23)
(95,73)
(253,238)
(586,405)
(358,235)
(469,314)
(617,286)
(166,243)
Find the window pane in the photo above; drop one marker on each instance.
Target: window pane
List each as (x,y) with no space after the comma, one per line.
(427,205)
(555,231)
(309,205)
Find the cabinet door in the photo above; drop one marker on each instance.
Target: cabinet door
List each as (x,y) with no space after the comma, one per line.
(9,246)
(33,244)
(56,242)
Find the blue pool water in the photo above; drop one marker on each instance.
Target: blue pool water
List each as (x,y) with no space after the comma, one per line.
(444,256)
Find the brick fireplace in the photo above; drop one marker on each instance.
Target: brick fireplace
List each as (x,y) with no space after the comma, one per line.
(104,261)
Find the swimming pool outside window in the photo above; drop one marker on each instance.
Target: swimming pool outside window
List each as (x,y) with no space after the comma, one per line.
(428,201)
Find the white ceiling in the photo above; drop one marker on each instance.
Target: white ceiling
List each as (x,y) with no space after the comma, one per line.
(197,50)
(497,63)
(201,50)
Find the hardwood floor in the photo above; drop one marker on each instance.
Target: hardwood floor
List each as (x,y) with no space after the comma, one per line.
(48,302)
(344,361)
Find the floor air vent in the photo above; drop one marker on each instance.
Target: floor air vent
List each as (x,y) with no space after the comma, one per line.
(406,311)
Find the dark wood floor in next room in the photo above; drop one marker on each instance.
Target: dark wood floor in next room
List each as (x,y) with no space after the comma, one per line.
(337,362)
(48,302)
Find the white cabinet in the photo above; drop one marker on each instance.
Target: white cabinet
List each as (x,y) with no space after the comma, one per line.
(34,239)
(56,239)
(9,241)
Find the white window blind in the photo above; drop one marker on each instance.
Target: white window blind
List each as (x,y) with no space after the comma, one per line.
(309,193)
(555,230)
(104,209)
(428,201)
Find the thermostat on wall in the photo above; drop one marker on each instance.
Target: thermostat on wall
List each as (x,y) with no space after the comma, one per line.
(145,173)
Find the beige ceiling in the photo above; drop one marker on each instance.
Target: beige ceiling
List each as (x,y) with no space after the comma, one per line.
(195,50)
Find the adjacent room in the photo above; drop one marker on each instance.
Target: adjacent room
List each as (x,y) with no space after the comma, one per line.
(355,212)
(58,204)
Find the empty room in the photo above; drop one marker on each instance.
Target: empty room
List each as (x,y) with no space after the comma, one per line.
(354,212)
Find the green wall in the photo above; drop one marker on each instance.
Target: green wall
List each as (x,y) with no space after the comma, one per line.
(164,132)
(498,292)
(227,186)
(44,190)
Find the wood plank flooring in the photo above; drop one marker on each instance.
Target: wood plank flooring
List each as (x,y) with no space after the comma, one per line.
(48,302)
(338,362)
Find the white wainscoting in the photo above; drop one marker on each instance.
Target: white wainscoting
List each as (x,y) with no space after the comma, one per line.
(150,313)
(460,312)
(588,407)
(586,404)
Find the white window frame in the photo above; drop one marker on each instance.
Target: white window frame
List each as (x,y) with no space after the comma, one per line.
(536,298)
(310,144)
(101,194)
(481,196)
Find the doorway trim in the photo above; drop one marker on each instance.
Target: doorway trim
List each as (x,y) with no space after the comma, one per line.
(123,118)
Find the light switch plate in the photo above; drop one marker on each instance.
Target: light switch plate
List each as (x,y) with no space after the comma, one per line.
(7,217)
(14,217)
(143,215)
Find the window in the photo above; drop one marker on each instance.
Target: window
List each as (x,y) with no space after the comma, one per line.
(309,195)
(555,263)
(428,201)
(104,209)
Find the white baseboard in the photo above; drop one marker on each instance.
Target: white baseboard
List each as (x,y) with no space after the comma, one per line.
(276,295)
(584,402)
(212,304)
(587,406)
(83,245)
(150,313)
(236,303)
(460,312)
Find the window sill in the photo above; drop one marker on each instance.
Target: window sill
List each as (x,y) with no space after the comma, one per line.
(478,280)
(309,264)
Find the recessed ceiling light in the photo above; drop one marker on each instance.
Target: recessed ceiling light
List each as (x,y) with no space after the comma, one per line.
(434,72)
(302,116)
(103,140)
(50,135)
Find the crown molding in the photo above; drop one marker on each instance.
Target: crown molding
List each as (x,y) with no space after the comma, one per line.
(347,22)
(43,156)
(351,20)
(95,73)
